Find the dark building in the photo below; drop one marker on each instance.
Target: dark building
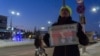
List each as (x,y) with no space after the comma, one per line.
(3,22)
(3,25)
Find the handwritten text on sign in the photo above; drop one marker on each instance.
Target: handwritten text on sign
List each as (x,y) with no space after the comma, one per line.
(63,35)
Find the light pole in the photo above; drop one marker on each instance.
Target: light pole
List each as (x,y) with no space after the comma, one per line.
(11,21)
(13,13)
(64,4)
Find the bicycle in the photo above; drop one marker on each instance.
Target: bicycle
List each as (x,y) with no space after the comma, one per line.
(40,52)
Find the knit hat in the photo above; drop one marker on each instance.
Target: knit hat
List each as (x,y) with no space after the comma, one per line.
(67,8)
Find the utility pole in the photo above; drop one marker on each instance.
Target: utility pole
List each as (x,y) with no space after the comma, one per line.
(64,3)
(11,27)
(81,11)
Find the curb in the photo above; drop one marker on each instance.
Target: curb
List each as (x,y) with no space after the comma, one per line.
(15,43)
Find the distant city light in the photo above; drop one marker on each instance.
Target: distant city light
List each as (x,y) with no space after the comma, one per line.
(8,28)
(12,28)
(14,32)
(49,22)
(42,28)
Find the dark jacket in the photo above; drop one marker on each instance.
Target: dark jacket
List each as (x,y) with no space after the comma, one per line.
(37,41)
(69,50)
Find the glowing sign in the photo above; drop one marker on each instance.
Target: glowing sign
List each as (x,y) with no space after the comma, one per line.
(17,36)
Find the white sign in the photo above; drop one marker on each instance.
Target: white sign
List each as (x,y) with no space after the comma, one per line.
(63,35)
(79,1)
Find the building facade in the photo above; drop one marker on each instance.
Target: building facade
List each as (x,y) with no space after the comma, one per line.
(3,22)
(3,25)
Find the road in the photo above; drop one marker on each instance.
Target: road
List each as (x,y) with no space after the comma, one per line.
(26,50)
(29,50)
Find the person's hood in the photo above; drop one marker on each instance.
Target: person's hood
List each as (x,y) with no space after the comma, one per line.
(64,19)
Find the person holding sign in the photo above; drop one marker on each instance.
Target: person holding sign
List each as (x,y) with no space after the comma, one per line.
(62,34)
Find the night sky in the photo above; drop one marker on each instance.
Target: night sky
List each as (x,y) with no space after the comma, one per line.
(36,13)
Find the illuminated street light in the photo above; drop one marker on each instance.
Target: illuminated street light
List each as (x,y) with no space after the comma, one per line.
(42,28)
(12,12)
(49,22)
(17,13)
(95,9)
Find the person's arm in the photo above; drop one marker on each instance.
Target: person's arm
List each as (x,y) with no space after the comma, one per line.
(46,39)
(83,39)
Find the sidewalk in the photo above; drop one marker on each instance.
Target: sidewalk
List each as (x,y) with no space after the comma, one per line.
(6,43)
(92,50)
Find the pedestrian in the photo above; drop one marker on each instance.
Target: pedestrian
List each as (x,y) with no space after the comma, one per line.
(68,50)
(37,41)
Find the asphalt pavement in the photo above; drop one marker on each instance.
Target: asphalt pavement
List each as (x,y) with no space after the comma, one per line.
(29,50)
(24,50)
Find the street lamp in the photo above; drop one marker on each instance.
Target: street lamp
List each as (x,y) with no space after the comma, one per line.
(13,13)
(11,27)
(49,22)
(42,28)
(18,14)
(95,9)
